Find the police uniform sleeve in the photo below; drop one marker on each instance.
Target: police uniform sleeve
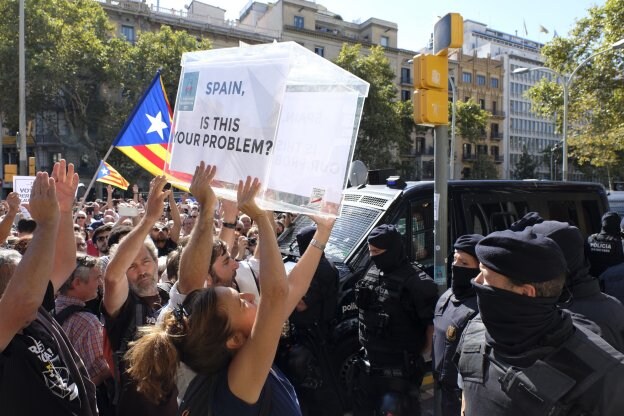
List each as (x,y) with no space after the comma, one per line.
(422,295)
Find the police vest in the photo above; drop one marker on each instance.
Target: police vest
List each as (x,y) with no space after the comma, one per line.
(451,317)
(604,251)
(390,324)
(552,386)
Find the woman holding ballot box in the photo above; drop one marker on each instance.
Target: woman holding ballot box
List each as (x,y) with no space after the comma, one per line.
(228,340)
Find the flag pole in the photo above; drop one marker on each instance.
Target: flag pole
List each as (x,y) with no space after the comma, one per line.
(84,197)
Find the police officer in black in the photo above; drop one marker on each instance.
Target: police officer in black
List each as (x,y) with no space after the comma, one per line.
(304,355)
(605,247)
(581,293)
(395,302)
(522,355)
(453,311)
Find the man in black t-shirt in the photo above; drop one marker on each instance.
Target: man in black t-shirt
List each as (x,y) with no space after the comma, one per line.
(132,299)
(40,373)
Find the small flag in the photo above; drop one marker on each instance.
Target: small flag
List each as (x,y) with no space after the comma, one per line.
(144,138)
(542,29)
(107,174)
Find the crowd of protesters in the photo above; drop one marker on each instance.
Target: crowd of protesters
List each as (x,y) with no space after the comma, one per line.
(159,305)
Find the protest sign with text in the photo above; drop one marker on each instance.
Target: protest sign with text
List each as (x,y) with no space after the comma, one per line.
(277,112)
(23,185)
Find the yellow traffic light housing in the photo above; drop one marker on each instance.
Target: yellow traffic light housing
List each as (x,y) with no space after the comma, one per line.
(430,72)
(32,171)
(431,107)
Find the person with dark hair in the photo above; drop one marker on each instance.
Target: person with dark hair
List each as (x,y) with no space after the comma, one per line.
(303,355)
(612,279)
(40,372)
(522,355)
(605,247)
(225,338)
(100,238)
(25,227)
(117,233)
(396,302)
(582,293)
(453,311)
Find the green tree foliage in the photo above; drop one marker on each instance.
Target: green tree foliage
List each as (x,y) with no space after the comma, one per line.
(384,119)
(75,66)
(596,93)
(526,166)
(470,122)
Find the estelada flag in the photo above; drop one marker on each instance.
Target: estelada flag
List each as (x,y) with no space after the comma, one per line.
(107,174)
(144,138)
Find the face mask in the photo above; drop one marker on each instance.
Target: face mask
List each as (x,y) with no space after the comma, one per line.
(461,280)
(515,322)
(386,261)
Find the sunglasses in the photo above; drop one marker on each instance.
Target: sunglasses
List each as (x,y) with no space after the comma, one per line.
(156,229)
(82,218)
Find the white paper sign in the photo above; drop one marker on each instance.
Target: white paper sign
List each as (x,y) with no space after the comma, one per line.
(315,134)
(227,116)
(23,185)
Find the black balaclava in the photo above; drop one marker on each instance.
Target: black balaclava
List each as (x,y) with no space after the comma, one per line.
(516,323)
(460,284)
(611,224)
(387,237)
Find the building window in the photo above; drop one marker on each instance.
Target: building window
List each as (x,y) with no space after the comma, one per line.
(128,33)
(482,103)
(467,149)
(494,151)
(466,77)
(384,41)
(319,50)
(405,76)
(480,79)
(406,95)
(299,22)
(494,82)
(482,149)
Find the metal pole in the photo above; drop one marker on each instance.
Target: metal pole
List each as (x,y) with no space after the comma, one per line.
(23,159)
(452,156)
(564,148)
(440,206)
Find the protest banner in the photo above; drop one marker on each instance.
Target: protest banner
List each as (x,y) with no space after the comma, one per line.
(278,112)
(23,185)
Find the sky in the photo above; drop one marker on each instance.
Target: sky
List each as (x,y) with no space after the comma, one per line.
(416,18)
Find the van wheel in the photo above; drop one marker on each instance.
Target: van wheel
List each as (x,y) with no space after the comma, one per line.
(346,355)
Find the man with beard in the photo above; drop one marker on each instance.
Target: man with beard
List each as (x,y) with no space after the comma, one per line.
(524,356)
(396,301)
(454,309)
(100,239)
(132,299)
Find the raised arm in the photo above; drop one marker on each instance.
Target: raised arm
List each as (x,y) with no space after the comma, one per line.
(65,255)
(13,202)
(195,260)
(228,217)
(174,233)
(115,280)
(250,366)
(26,289)
(301,275)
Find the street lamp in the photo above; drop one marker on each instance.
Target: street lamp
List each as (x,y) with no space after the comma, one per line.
(452,161)
(567,81)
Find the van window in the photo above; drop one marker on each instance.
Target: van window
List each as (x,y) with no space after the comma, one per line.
(422,230)
(563,210)
(487,217)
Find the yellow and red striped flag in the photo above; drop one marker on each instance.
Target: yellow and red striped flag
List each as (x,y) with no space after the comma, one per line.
(107,174)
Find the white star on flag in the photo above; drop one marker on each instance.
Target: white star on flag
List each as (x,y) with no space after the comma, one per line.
(104,171)
(158,125)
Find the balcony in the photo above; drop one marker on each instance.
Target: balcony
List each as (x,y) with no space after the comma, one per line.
(496,135)
(498,158)
(469,157)
(497,113)
(407,81)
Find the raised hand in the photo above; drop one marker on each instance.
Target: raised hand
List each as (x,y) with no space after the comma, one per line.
(13,201)
(156,198)
(200,185)
(43,204)
(135,188)
(323,223)
(246,197)
(66,184)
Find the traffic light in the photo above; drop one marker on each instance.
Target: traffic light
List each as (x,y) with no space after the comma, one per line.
(430,72)
(32,171)
(431,107)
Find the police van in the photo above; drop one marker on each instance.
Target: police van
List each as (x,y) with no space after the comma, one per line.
(616,202)
(473,207)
